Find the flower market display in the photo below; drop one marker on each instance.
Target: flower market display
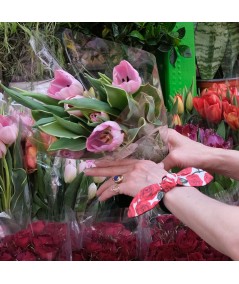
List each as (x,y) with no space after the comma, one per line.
(48,207)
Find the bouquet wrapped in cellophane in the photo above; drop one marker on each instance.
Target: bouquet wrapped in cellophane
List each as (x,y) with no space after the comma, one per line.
(108,104)
(119,115)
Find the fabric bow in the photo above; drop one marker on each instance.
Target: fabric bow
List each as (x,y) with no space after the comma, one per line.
(150,196)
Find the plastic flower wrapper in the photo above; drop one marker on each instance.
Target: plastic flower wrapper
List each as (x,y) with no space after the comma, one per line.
(163,237)
(14,191)
(107,236)
(41,240)
(119,116)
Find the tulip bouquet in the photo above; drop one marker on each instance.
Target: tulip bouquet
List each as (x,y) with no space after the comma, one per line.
(120,116)
(14,191)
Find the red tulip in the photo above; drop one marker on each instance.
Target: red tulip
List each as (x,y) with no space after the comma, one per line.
(209,107)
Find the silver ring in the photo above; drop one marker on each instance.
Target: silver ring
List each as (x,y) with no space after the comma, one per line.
(118,179)
(115,188)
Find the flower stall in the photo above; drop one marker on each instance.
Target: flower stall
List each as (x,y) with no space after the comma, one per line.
(109,104)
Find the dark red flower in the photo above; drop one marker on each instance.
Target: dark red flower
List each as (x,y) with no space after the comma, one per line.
(26,256)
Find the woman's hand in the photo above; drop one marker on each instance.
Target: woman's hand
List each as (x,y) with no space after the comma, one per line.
(137,174)
(184,152)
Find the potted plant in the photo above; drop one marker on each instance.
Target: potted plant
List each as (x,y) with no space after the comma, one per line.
(217,50)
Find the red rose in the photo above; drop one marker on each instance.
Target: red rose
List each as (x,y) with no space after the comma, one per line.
(5,256)
(196,256)
(46,252)
(37,227)
(22,239)
(78,255)
(26,256)
(186,240)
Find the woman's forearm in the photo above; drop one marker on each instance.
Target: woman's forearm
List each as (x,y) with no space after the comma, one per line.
(213,221)
(221,161)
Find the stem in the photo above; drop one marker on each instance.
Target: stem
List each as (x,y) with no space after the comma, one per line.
(7,186)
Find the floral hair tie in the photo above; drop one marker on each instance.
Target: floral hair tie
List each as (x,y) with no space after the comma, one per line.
(150,196)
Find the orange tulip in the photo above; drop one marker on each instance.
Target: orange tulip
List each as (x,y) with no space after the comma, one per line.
(231,115)
(30,158)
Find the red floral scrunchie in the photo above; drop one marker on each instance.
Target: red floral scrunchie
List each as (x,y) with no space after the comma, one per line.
(150,196)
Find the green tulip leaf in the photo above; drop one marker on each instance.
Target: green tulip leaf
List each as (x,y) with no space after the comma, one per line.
(41,97)
(19,98)
(72,126)
(55,129)
(117,98)
(68,144)
(92,104)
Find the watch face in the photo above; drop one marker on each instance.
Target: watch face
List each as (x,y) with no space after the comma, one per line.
(160,195)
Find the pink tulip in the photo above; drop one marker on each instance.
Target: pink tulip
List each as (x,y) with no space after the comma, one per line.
(64,86)
(99,116)
(126,77)
(25,119)
(87,164)
(8,130)
(107,136)
(3,149)
(90,164)
(68,107)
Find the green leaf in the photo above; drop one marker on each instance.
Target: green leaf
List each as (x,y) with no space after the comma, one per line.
(71,191)
(184,51)
(71,126)
(20,202)
(181,32)
(44,120)
(68,144)
(117,98)
(173,56)
(97,85)
(41,97)
(92,104)
(221,130)
(57,130)
(57,110)
(29,103)
(82,194)
(39,114)
(137,35)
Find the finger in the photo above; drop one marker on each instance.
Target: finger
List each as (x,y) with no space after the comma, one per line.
(107,184)
(107,171)
(168,163)
(110,163)
(109,192)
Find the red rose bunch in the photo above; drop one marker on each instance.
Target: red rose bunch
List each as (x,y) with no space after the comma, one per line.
(106,241)
(39,241)
(173,241)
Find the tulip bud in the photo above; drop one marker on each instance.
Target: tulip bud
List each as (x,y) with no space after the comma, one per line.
(92,191)
(99,179)
(99,117)
(180,104)
(70,170)
(176,120)
(189,101)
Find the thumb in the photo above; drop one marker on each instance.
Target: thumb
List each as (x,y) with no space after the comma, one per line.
(168,162)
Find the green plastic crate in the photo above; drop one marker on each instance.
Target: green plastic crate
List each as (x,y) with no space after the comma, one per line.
(175,79)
